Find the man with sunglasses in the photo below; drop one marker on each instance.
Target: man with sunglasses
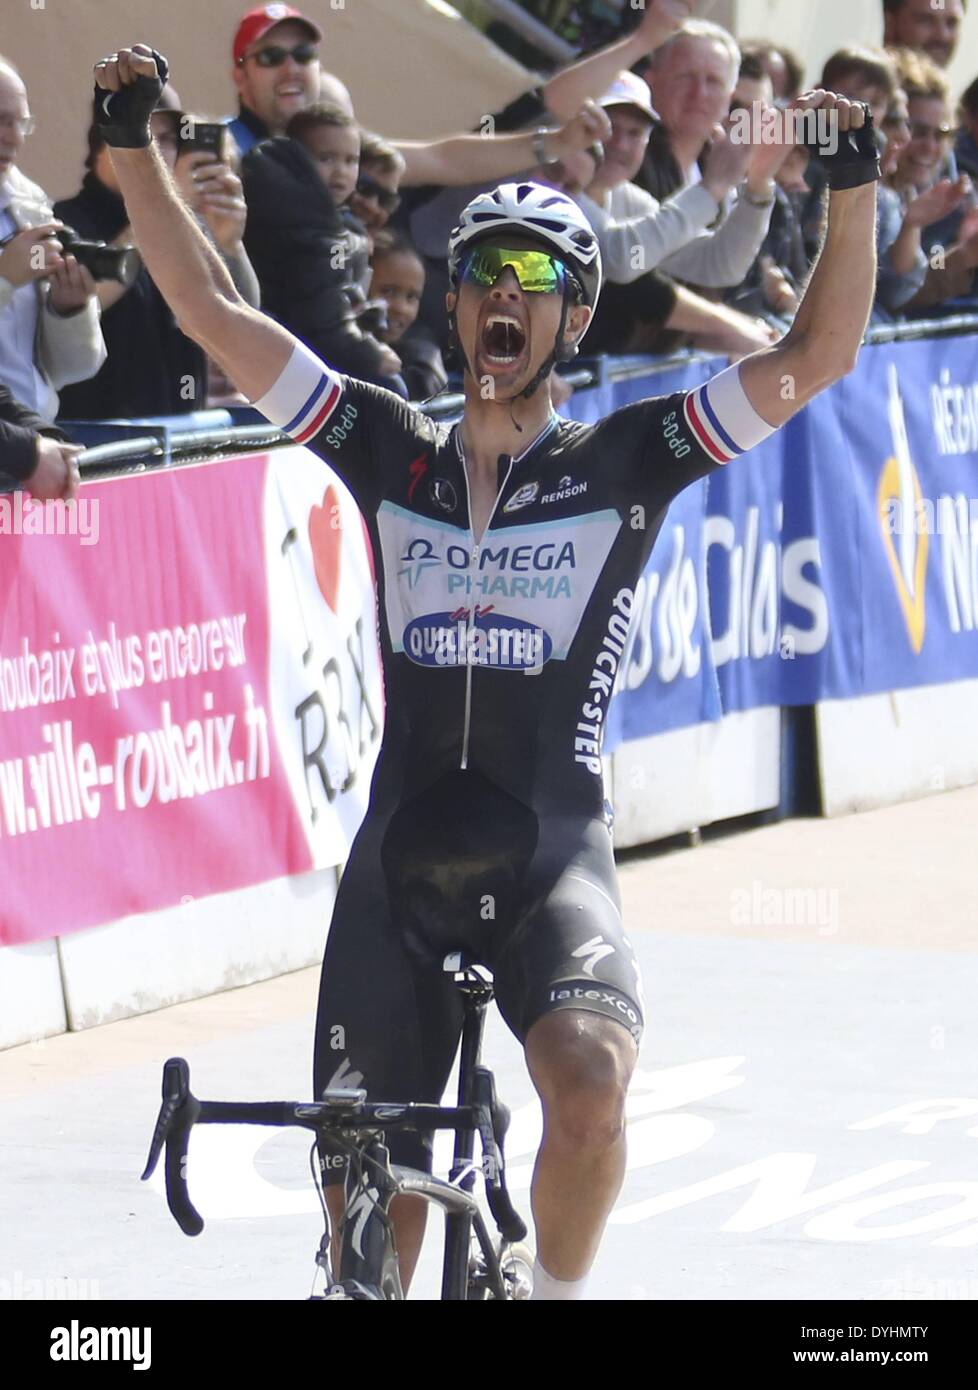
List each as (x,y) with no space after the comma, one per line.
(276,71)
(508,550)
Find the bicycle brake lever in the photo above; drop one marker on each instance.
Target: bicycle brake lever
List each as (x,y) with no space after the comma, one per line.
(173,1125)
(507,1218)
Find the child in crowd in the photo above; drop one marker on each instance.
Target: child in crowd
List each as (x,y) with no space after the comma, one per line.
(311,254)
(398,280)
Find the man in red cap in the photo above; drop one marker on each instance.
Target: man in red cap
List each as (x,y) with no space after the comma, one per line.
(276,71)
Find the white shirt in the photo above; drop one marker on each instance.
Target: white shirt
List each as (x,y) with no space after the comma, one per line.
(674,235)
(18,330)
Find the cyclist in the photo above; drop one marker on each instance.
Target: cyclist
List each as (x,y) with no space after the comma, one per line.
(508,550)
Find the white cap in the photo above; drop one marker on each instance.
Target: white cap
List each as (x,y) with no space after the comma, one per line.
(629,90)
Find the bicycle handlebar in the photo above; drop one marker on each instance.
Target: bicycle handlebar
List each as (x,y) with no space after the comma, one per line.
(341,1111)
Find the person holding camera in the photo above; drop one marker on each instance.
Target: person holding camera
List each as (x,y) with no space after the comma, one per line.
(152,368)
(49,316)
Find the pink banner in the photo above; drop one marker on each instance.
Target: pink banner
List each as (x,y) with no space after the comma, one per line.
(142,761)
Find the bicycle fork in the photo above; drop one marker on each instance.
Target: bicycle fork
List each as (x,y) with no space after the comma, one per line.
(366,1250)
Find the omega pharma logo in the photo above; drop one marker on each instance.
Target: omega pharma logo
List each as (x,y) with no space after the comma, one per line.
(899,501)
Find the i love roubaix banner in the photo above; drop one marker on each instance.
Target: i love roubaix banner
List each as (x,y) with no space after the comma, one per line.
(837,559)
(191,705)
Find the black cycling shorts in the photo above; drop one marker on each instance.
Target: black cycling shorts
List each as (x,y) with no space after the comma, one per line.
(463,866)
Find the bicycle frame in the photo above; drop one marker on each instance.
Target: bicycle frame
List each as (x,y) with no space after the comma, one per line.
(365,1245)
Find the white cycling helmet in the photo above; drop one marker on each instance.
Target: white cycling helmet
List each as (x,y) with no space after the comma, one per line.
(530,209)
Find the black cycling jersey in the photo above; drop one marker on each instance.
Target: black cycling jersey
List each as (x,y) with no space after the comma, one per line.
(487,824)
(500,655)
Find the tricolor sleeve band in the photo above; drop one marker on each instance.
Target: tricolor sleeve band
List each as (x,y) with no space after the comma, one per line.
(722,419)
(304,397)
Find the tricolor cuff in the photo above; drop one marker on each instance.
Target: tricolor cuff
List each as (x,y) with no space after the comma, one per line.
(722,419)
(304,397)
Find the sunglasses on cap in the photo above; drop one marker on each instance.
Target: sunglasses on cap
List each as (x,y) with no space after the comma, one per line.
(536,271)
(369,188)
(274,55)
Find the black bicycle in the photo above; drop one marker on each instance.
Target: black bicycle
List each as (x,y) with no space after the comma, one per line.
(368,1267)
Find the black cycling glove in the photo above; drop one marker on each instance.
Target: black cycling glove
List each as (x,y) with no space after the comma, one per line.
(123,116)
(855,159)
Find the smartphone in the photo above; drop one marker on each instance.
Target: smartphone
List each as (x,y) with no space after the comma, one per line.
(210,137)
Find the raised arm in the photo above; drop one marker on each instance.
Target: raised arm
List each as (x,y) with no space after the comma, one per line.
(590,78)
(464,159)
(251,349)
(823,342)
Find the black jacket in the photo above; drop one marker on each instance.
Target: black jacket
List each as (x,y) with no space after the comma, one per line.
(308,255)
(152,368)
(422,368)
(19,428)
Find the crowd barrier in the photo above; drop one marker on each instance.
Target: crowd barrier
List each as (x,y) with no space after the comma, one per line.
(191,699)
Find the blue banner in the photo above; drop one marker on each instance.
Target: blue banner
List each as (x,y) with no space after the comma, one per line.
(838,559)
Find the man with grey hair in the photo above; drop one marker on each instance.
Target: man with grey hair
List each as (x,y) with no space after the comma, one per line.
(49,317)
(692,151)
(692,77)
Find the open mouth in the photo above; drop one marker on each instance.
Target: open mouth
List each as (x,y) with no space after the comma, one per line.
(503,340)
(290,91)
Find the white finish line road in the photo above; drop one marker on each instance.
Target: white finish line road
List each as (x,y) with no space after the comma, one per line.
(803,1124)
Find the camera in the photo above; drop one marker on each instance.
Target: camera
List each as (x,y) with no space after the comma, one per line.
(121,263)
(208,137)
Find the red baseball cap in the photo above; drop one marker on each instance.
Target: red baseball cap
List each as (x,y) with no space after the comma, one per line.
(257,22)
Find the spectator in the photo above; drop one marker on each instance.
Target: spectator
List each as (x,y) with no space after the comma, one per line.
(152,368)
(950,236)
(309,251)
(754,85)
(772,285)
(398,281)
(35,453)
(332,140)
(49,316)
(692,78)
(637,233)
(651,312)
(869,75)
(782,66)
(276,71)
(896,128)
(862,74)
(966,148)
(925,26)
(375,198)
